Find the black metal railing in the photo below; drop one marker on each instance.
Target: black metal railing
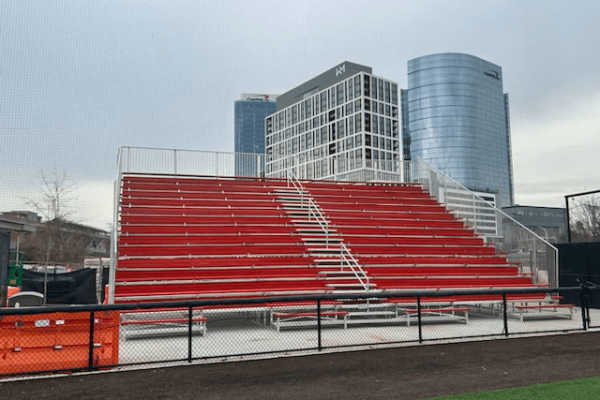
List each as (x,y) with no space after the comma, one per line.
(86,338)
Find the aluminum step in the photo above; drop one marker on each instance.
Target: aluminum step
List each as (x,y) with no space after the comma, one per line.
(363,291)
(332,249)
(333,261)
(336,272)
(296,213)
(294,200)
(348,285)
(323,239)
(315,231)
(288,190)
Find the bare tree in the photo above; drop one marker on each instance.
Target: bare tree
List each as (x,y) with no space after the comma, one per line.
(585,220)
(53,241)
(54,195)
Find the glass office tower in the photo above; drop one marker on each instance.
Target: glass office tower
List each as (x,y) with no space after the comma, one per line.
(250,112)
(249,130)
(457,119)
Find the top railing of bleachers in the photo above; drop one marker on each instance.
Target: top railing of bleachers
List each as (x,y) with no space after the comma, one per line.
(227,164)
(189,162)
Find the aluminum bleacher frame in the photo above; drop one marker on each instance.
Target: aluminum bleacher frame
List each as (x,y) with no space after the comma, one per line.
(194,237)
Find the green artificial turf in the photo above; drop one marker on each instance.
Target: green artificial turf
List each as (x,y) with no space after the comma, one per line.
(578,389)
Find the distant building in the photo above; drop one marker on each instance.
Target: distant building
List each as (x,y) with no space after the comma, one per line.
(97,240)
(549,223)
(18,224)
(456,118)
(250,113)
(77,241)
(342,124)
(249,129)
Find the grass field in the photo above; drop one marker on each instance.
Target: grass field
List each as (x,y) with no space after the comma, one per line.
(578,389)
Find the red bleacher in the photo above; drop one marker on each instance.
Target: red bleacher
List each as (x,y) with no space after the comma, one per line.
(195,237)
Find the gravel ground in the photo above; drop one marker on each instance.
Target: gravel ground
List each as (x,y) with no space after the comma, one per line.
(395,373)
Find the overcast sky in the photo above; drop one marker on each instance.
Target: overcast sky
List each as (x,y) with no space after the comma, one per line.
(80,78)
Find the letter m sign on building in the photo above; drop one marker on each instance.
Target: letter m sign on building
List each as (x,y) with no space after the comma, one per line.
(340,70)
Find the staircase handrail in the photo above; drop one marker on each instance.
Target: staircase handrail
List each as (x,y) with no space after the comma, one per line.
(297,185)
(312,206)
(349,259)
(323,223)
(345,254)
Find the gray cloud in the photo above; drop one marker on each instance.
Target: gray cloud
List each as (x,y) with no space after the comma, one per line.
(79,79)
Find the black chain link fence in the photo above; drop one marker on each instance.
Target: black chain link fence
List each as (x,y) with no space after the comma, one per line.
(57,339)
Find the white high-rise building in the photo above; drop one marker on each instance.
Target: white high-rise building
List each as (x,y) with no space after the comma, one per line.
(341,125)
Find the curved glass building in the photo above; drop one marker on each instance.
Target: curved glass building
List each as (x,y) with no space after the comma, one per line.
(456,118)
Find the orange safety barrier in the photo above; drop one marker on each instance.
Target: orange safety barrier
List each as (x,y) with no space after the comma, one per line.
(11,290)
(41,342)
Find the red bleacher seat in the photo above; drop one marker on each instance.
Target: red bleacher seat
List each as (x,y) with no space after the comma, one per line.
(186,237)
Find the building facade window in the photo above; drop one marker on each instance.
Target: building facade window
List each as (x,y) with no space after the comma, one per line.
(335,124)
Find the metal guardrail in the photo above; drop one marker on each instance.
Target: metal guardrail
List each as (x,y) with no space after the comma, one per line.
(535,255)
(345,253)
(349,259)
(312,207)
(314,211)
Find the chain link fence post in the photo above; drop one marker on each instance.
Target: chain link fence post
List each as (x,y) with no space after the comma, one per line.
(190,327)
(419,319)
(505,314)
(319,324)
(91,341)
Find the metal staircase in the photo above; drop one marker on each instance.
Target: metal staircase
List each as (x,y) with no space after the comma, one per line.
(332,256)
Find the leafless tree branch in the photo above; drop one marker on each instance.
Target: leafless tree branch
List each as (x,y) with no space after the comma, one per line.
(585,218)
(54,196)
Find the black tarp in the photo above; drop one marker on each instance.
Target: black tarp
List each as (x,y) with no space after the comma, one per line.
(579,263)
(4,256)
(76,287)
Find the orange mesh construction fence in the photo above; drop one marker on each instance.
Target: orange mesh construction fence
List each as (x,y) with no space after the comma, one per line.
(52,341)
